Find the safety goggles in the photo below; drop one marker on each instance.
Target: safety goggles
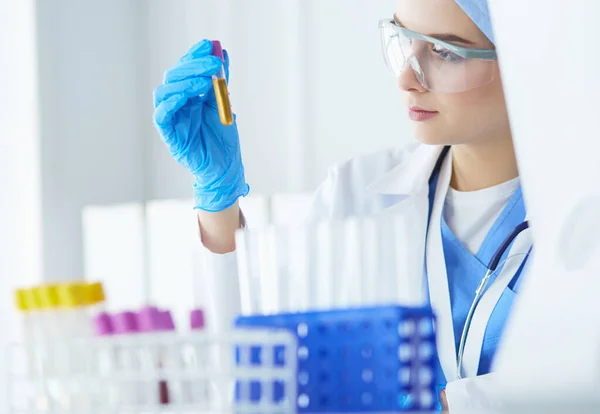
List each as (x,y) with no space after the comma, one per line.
(439,66)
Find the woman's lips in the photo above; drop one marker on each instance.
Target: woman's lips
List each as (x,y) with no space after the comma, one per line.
(418,114)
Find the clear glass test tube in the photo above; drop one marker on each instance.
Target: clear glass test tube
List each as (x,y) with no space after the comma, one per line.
(95,298)
(170,360)
(196,390)
(104,393)
(220,86)
(151,389)
(27,308)
(128,359)
(54,356)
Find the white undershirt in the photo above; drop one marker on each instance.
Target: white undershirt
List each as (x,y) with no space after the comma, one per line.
(471,214)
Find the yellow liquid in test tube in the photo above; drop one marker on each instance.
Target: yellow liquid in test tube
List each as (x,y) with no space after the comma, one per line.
(223,103)
(220,87)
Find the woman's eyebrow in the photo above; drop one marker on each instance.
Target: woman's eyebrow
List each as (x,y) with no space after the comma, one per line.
(446,37)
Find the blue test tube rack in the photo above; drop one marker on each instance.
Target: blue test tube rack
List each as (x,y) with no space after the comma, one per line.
(363,360)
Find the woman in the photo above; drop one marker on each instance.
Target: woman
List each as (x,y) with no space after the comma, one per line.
(466,201)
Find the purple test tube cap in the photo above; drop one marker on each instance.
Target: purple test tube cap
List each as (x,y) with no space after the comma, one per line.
(166,321)
(149,319)
(197,319)
(218,50)
(103,324)
(125,323)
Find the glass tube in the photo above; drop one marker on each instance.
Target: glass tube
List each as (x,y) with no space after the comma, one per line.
(220,86)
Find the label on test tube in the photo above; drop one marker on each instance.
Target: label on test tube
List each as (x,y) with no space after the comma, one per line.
(220,86)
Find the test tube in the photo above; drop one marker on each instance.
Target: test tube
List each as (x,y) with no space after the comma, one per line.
(73,313)
(196,391)
(149,324)
(27,307)
(95,298)
(104,394)
(56,359)
(125,325)
(170,391)
(220,86)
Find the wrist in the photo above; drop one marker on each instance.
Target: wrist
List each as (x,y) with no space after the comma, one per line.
(217,230)
(214,200)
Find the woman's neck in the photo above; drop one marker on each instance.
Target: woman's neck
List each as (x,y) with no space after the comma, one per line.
(479,166)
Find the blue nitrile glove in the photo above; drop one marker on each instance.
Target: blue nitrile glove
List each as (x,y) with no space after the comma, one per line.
(187,118)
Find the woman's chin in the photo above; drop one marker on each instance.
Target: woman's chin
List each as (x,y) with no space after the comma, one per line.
(429,135)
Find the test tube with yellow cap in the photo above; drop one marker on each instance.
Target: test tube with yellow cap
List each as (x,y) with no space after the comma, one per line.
(220,86)
(73,303)
(34,331)
(27,307)
(51,356)
(47,323)
(77,324)
(95,298)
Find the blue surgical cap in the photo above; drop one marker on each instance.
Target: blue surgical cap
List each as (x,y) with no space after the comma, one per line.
(478,11)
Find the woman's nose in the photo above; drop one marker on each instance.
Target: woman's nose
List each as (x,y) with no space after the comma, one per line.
(407,79)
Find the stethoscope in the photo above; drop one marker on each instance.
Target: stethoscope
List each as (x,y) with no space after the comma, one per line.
(491,269)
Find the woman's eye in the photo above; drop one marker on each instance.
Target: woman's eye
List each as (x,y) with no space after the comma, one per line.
(444,53)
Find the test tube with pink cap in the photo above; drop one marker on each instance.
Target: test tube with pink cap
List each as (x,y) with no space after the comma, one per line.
(161,354)
(104,394)
(128,362)
(149,322)
(170,353)
(196,362)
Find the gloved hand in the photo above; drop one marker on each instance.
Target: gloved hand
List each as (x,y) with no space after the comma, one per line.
(187,118)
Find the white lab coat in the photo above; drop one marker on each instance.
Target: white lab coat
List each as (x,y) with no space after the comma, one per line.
(396,182)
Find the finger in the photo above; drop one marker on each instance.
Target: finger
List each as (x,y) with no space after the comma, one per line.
(204,66)
(187,87)
(163,115)
(200,49)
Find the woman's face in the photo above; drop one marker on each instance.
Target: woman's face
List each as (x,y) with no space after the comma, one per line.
(475,116)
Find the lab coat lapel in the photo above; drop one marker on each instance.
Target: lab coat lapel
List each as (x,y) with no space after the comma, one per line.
(411,176)
(437,279)
(410,218)
(483,313)
(410,181)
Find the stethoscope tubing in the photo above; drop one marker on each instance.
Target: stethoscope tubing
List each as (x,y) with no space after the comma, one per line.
(493,265)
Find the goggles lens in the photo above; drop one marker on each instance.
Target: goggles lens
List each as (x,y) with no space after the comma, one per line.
(438,66)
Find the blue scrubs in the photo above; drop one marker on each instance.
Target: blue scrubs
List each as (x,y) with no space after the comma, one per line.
(465,271)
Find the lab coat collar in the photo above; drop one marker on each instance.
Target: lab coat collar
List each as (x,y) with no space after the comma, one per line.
(411,175)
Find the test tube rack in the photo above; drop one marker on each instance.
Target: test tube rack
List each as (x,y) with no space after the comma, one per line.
(379,359)
(150,374)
